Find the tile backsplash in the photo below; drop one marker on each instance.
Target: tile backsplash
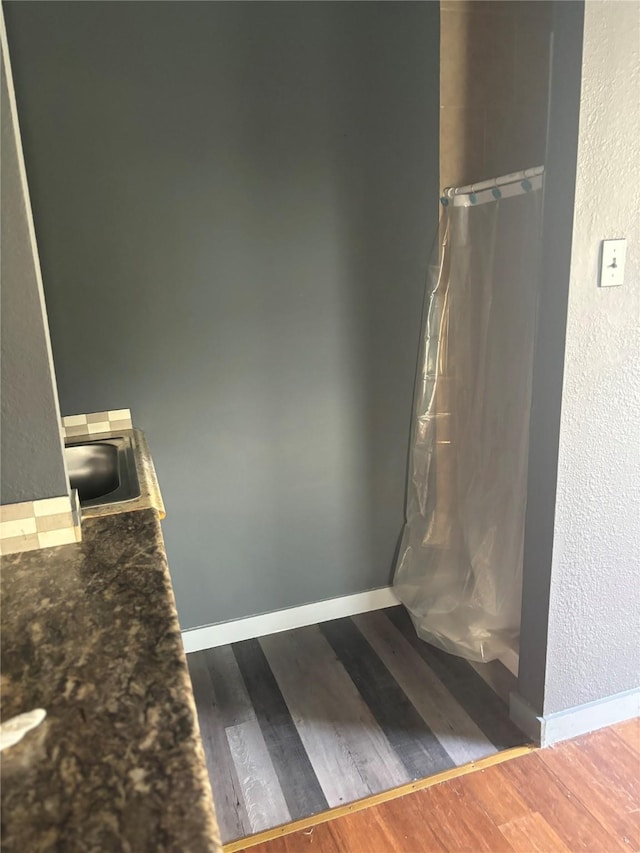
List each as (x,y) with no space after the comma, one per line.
(96,422)
(46,523)
(49,522)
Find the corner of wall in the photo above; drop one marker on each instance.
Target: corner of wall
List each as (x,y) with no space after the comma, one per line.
(573,722)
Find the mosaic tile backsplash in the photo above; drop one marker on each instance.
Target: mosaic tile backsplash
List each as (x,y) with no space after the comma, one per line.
(47,523)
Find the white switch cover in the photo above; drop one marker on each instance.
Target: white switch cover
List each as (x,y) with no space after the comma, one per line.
(612,266)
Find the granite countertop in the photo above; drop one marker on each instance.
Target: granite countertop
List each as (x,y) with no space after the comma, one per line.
(90,634)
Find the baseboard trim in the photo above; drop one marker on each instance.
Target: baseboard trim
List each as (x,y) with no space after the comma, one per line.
(580,720)
(211,636)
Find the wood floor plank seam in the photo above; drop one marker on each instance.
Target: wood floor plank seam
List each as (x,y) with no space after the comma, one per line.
(260,793)
(231,812)
(459,821)
(580,797)
(305,721)
(233,702)
(355,759)
(300,786)
(526,810)
(408,734)
(538,785)
(629,732)
(376,799)
(263,796)
(527,830)
(461,738)
(480,701)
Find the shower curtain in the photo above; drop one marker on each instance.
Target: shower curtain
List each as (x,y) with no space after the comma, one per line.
(459,568)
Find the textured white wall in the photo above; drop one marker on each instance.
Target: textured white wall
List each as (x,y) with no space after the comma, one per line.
(595,587)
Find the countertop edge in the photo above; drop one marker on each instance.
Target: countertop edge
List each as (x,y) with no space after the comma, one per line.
(91,634)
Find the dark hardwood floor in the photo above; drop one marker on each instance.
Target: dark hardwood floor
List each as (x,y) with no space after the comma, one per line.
(581,795)
(300,722)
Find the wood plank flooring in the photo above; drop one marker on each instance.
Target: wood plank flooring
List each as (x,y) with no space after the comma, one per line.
(306,720)
(582,795)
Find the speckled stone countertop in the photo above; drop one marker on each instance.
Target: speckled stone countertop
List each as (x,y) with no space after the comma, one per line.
(90,634)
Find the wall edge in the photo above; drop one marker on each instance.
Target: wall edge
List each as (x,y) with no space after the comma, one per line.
(572,722)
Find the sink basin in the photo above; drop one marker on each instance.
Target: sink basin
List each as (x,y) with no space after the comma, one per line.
(103,471)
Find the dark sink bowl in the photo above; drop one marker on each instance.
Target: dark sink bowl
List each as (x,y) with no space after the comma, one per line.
(103,472)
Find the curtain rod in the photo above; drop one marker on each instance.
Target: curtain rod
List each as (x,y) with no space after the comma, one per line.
(511,178)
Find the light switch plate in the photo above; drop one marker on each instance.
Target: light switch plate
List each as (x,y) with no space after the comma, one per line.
(612,263)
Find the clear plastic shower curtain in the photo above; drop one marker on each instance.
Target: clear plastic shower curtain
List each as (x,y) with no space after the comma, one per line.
(459,569)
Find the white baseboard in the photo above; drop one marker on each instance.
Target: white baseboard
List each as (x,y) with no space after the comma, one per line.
(236,630)
(580,720)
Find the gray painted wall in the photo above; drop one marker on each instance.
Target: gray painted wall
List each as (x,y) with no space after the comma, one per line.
(589,575)
(236,203)
(548,368)
(31,460)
